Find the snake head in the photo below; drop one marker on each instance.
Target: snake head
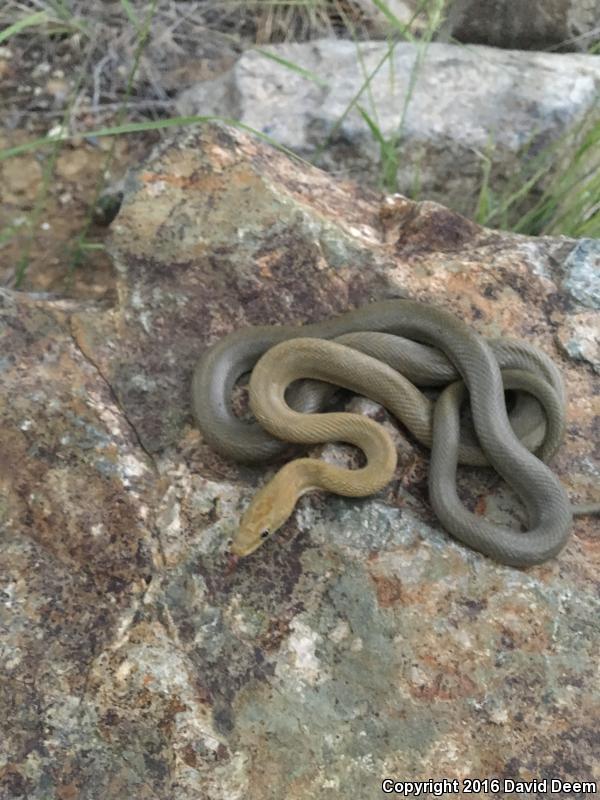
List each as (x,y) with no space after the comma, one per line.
(268,510)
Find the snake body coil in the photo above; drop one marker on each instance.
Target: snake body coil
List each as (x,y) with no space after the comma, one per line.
(461,353)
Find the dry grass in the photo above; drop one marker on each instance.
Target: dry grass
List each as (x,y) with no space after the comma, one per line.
(90,48)
(79,58)
(76,66)
(79,65)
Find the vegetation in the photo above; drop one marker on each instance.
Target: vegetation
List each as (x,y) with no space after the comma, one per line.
(113,70)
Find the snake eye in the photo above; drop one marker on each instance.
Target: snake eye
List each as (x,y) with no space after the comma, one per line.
(264,534)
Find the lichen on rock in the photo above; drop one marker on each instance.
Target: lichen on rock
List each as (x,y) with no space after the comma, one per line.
(358,644)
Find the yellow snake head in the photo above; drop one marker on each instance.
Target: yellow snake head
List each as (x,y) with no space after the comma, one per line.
(267,512)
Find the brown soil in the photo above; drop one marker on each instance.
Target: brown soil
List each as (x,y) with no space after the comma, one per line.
(45,234)
(83,69)
(79,76)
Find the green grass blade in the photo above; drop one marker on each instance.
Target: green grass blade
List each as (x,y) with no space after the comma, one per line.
(131,15)
(483,208)
(61,9)
(7,233)
(375,131)
(140,127)
(92,246)
(26,22)
(353,102)
(366,84)
(402,28)
(305,73)
(388,153)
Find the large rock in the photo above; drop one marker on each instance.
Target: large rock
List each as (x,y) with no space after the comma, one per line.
(467,106)
(512,24)
(361,643)
(525,24)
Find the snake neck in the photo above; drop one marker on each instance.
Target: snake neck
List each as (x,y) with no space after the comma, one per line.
(300,476)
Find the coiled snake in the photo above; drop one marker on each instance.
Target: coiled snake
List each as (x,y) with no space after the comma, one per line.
(437,349)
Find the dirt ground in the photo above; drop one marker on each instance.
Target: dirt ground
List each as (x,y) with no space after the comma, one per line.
(51,199)
(50,244)
(90,66)
(93,65)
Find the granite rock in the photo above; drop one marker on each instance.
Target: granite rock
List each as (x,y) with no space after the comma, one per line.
(525,24)
(362,642)
(449,113)
(513,24)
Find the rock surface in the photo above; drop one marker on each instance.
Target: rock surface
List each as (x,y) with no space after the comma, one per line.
(525,24)
(467,106)
(361,643)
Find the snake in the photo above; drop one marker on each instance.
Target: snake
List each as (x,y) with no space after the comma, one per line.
(478,368)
